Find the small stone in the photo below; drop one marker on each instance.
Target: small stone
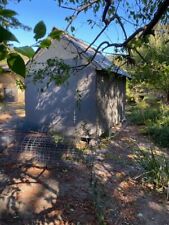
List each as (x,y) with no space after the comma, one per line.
(92,143)
(140,215)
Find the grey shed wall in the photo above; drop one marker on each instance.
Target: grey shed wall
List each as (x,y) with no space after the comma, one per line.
(56,107)
(111,98)
(102,98)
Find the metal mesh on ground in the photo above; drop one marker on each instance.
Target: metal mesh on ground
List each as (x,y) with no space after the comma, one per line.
(41,148)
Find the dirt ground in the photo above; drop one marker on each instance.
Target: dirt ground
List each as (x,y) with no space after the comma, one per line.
(124,198)
(89,187)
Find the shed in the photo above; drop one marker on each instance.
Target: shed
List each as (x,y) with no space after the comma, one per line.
(9,91)
(91,100)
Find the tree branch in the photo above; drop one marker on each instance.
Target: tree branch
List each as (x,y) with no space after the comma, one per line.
(82,66)
(99,34)
(108,4)
(78,10)
(139,33)
(162,9)
(125,43)
(121,24)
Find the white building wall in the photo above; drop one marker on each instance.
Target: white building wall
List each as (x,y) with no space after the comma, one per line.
(56,107)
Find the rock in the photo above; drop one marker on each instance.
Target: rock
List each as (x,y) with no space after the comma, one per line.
(140,215)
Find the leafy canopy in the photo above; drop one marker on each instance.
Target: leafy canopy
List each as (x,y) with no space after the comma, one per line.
(141,15)
(152,62)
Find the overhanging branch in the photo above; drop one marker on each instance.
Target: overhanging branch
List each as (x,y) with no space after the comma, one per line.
(162,9)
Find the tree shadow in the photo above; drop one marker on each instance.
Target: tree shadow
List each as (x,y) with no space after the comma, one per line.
(46,188)
(70,187)
(119,197)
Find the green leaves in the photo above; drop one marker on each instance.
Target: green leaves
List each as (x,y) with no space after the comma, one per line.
(7,13)
(39,30)
(6,35)
(26,51)
(45,43)
(144,1)
(16,64)
(3,51)
(56,34)
(55,69)
(72,28)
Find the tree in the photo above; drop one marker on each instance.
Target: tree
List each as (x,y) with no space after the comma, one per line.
(152,62)
(142,15)
(12,55)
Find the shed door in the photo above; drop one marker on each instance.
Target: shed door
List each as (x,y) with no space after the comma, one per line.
(10,94)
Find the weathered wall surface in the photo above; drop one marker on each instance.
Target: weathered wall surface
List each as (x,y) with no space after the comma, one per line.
(8,88)
(110,101)
(101,103)
(56,107)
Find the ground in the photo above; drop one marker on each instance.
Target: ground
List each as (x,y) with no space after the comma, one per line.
(97,186)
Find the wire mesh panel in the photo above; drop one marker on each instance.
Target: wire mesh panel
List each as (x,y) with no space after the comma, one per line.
(41,148)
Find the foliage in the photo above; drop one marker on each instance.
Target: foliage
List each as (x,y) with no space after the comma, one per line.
(54,70)
(144,116)
(156,169)
(152,63)
(160,135)
(156,120)
(17,64)
(143,15)
(6,35)
(39,30)
(57,138)
(13,55)
(159,131)
(25,51)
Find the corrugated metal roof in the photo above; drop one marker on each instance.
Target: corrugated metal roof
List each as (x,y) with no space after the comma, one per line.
(100,61)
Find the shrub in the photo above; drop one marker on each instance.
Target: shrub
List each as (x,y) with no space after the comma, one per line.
(160,135)
(2,107)
(156,169)
(152,100)
(159,131)
(155,119)
(144,116)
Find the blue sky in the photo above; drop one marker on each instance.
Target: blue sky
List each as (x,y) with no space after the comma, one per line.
(31,12)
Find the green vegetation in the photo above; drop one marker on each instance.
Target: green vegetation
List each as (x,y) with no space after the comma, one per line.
(151,68)
(144,116)
(154,118)
(14,56)
(160,135)
(156,169)
(148,91)
(148,108)
(2,107)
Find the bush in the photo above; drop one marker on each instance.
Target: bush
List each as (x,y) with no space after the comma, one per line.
(144,116)
(2,107)
(152,100)
(156,120)
(159,131)
(156,169)
(160,135)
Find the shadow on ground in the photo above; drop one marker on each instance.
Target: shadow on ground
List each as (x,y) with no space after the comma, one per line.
(66,186)
(40,192)
(121,198)
(40,185)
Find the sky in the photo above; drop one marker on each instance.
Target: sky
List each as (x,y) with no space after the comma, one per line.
(31,12)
